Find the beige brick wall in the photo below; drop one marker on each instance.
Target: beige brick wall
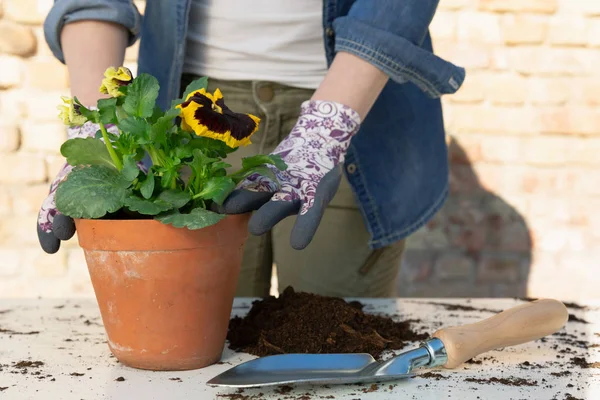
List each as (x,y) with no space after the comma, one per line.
(524,136)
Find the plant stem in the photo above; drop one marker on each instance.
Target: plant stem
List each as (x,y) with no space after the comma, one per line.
(109,147)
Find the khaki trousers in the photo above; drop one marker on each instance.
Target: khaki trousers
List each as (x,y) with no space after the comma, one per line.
(338,262)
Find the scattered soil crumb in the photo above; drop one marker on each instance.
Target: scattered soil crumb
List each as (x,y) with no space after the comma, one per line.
(583,363)
(59,307)
(503,381)
(285,389)
(560,374)
(298,322)
(433,375)
(460,307)
(567,304)
(240,396)
(76,374)
(11,332)
(3,388)
(569,396)
(373,388)
(574,318)
(28,364)
(120,379)
(474,361)
(574,306)
(176,379)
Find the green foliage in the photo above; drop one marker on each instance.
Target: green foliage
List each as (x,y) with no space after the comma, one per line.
(92,192)
(106,179)
(198,218)
(86,151)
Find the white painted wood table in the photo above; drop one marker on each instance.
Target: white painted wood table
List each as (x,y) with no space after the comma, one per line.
(77,364)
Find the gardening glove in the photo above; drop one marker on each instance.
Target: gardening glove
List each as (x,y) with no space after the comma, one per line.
(314,152)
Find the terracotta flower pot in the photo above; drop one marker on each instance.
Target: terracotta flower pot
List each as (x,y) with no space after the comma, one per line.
(165,294)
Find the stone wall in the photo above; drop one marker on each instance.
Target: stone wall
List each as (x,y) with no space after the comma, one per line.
(523,133)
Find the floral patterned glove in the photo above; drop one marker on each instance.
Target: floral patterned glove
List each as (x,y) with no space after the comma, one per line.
(314,152)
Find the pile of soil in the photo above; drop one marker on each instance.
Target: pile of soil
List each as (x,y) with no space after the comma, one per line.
(298,322)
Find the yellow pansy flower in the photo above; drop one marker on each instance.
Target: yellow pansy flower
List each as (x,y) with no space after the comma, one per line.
(68,112)
(206,115)
(114,79)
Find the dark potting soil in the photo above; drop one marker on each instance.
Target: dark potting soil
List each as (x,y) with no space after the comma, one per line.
(298,322)
(120,379)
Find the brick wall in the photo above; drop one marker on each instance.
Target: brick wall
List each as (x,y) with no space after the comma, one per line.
(523,133)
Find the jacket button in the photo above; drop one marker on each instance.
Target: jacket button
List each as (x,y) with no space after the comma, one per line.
(329,32)
(265,93)
(351,168)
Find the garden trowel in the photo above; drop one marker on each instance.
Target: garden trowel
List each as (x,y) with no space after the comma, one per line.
(449,348)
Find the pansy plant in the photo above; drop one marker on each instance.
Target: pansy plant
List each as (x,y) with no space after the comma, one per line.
(196,134)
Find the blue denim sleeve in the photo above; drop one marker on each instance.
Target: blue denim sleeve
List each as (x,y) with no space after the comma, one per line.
(390,34)
(122,12)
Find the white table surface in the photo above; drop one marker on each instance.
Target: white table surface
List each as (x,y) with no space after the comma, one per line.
(71,340)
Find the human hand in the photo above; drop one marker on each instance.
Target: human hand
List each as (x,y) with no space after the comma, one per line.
(314,152)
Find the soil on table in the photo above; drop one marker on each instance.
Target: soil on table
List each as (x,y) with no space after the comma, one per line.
(298,322)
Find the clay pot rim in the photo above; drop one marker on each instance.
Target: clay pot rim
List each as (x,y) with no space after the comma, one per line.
(150,234)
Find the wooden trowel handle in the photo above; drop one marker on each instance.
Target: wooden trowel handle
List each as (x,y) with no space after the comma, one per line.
(514,326)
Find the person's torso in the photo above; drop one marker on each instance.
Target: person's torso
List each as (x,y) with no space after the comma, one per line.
(279,41)
(396,164)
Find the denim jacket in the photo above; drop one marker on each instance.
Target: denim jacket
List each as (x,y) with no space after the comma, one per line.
(397,163)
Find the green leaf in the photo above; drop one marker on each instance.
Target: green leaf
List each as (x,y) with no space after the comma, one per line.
(200,159)
(261,170)
(86,151)
(130,169)
(255,161)
(220,164)
(147,187)
(201,83)
(198,218)
(91,115)
(107,109)
(111,136)
(141,96)
(158,131)
(91,192)
(175,197)
(138,128)
(217,189)
(211,147)
(147,207)
(183,152)
(169,175)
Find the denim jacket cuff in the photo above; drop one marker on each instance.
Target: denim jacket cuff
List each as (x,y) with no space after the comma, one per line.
(398,57)
(122,12)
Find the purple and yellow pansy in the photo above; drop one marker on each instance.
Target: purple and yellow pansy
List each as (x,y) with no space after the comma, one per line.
(206,115)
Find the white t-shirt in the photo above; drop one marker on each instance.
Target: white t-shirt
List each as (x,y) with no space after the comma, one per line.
(271,40)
